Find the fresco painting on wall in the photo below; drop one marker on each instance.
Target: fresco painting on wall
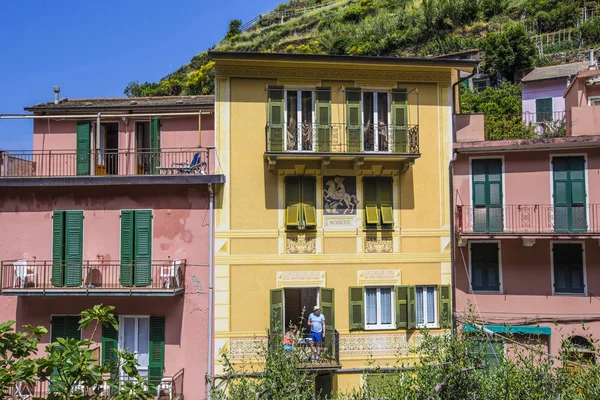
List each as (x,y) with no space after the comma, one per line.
(339,195)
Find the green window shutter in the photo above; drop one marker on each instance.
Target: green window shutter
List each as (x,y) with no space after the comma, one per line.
(568,268)
(412,307)
(327,304)
(445,306)
(110,343)
(309,200)
(479,171)
(356,295)
(402,307)
(560,182)
(323,119)
(276,306)
(488,215)
(494,188)
(370,196)
(142,248)
(126,247)
(72,329)
(58,248)
(293,189)
(276,128)
(577,218)
(485,267)
(353,120)
(400,121)
(156,362)
(83,147)
(543,110)
(59,327)
(73,248)
(385,200)
(154,155)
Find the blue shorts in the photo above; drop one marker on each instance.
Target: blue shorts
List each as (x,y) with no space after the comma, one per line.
(316,336)
(288,347)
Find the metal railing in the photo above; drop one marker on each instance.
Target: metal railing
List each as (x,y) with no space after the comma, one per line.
(169,387)
(34,276)
(525,126)
(343,138)
(527,219)
(303,347)
(60,163)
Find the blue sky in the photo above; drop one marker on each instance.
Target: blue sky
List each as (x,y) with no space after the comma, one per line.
(95,48)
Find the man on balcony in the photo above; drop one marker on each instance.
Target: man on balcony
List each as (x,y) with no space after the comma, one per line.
(316,321)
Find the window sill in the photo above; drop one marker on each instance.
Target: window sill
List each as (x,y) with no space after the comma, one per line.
(427,326)
(569,294)
(378,229)
(486,291)
(380,328)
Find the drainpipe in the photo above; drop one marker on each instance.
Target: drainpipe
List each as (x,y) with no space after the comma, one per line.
(451,189)
(209,369)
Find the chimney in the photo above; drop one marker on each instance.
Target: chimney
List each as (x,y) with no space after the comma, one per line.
(56,92)
(592,61)
(568,80)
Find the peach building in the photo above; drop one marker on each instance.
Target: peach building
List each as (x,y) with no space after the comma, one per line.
(113,206)
(527,220)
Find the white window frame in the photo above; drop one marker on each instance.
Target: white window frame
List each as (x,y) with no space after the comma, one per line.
(379,325)
(298,117)
(500,282)
(121,339)
(591,98)
(376,119)
(585,283)
(436,322)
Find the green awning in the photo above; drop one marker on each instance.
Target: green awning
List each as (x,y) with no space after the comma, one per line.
(515,330)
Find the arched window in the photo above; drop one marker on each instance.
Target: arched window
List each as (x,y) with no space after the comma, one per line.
(579,349)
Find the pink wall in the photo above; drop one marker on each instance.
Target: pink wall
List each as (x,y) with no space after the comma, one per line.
(528,176)
(527,291)
(180,230)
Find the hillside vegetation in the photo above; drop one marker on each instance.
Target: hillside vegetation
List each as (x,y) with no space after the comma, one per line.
(422,28)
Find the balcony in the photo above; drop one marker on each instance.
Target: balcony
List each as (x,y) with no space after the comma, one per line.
(479,127)
(73,167)
(532,220)
(342,141)
(92,278)
(171,387)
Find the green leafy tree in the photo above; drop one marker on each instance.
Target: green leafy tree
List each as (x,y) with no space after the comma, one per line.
(509,51)
(234,29)
(505,99)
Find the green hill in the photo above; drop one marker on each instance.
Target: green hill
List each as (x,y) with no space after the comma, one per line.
(421,28)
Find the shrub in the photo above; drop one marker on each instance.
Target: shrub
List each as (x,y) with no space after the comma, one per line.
(590,31)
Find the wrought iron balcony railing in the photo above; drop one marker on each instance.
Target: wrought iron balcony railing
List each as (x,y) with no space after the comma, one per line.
(33,277)
(168,387)
(527,219)
(343,138)
(62,163)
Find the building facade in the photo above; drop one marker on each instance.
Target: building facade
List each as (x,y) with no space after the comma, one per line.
(527,222)
(112,207)
(337,196)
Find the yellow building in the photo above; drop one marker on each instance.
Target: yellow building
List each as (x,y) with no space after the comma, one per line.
(338,196)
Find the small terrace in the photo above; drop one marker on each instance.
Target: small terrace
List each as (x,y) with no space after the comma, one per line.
(342,141)
(533,220)
(480,127)
(181,165)
(92,278)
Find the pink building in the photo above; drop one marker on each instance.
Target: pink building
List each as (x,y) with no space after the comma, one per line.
(527,221)
(113,206)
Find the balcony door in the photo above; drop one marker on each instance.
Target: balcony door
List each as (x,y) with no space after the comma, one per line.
(488,215)
(147,145)
(569,194)
(299,117)
(376,135)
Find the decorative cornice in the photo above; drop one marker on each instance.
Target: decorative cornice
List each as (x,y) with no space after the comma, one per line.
(333,74)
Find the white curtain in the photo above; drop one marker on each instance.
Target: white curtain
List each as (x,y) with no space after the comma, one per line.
(386,305)
(371,306)
(430,305)
(420,317)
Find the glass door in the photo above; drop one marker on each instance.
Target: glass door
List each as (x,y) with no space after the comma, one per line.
(134,336)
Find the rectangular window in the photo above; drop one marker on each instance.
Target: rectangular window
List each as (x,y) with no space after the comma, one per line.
(485,267)
(488,215)
(66,327)
(543,110)
(492,351)
(301,201)
(136,248)
(569,194)
(67,248)
(134,337)
(594,101)
(568,268)
(299,119)
(375,121)
(426,306)
(378,203)
(379,312)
